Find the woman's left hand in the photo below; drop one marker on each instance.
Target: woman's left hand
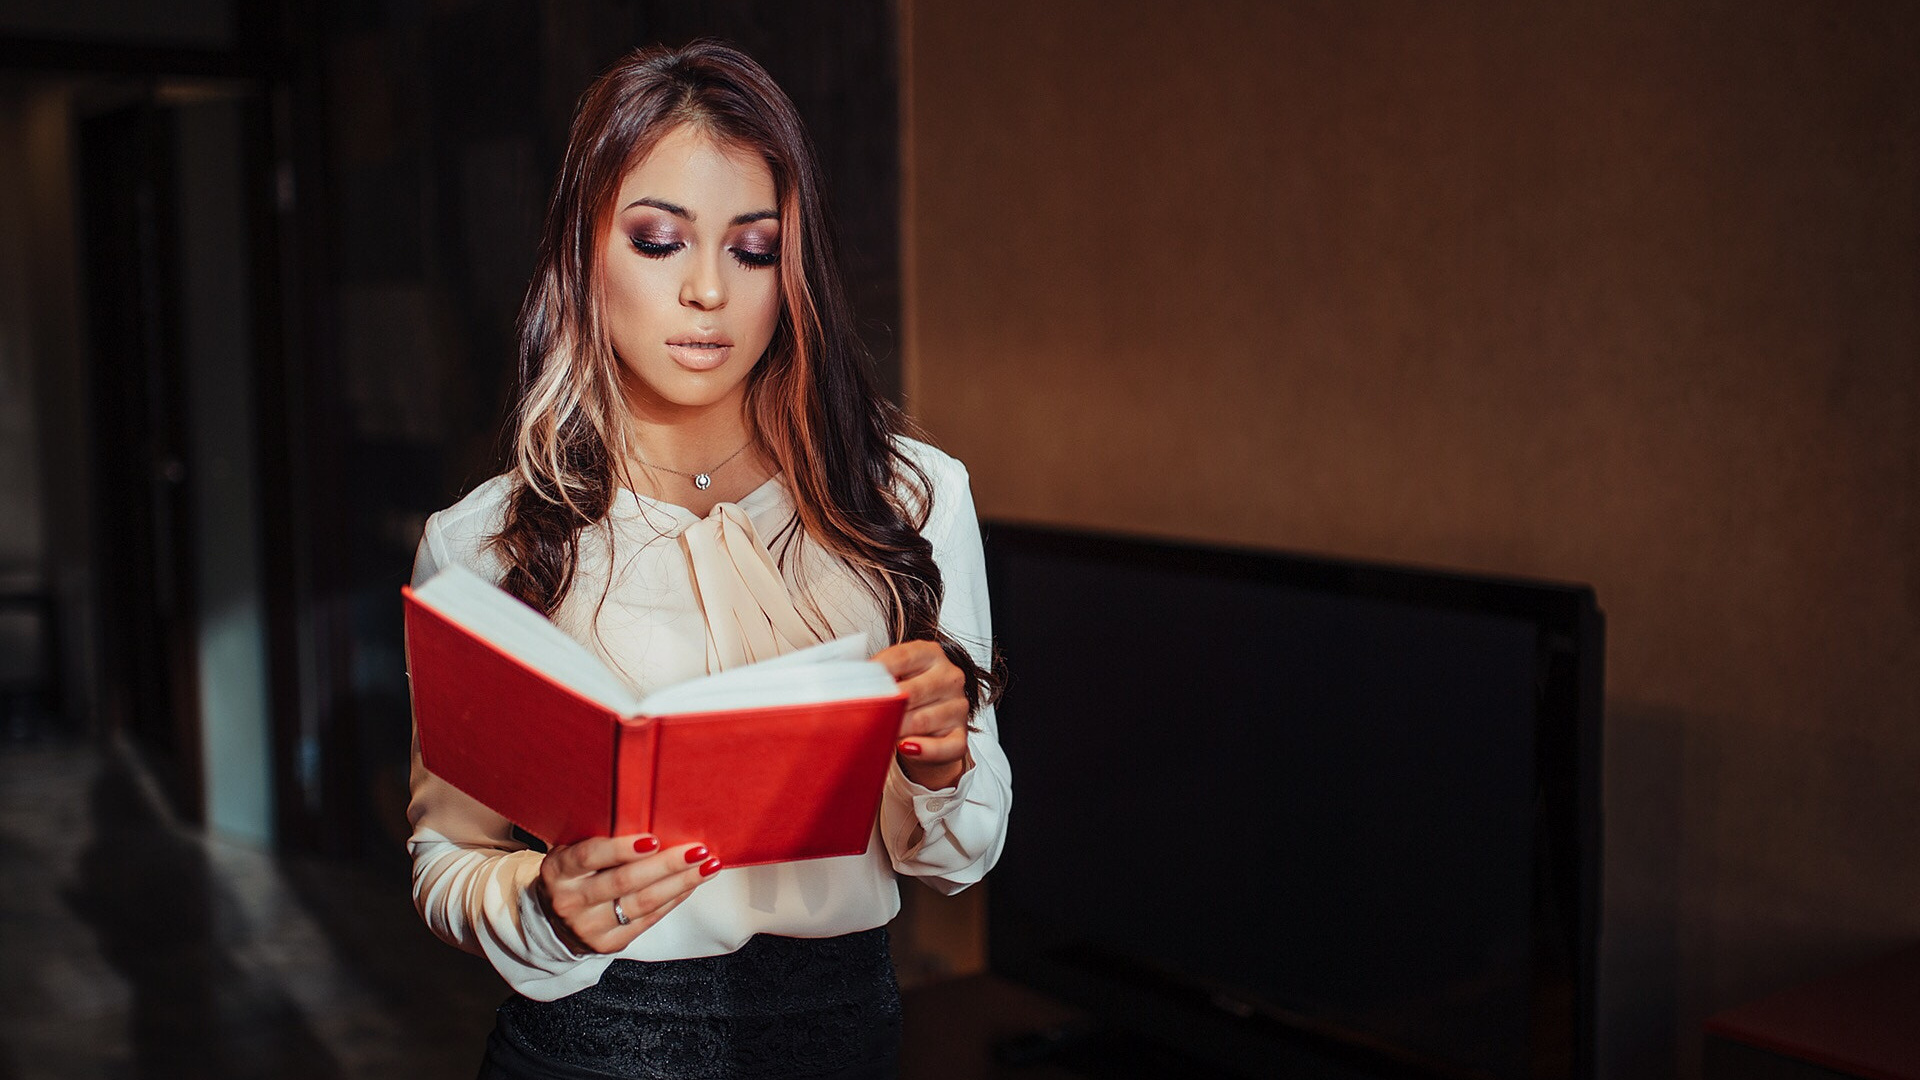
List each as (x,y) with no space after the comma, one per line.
(933,734)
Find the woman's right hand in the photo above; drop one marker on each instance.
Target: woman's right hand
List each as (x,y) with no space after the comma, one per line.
(579,883)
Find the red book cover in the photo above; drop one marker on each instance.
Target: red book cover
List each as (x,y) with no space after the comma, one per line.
(756,785)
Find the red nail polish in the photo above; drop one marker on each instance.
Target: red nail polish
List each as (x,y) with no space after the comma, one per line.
(909,747)
(710,867)
(696,853)
(646,844)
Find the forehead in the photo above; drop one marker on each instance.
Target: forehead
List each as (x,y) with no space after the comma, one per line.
(690,168)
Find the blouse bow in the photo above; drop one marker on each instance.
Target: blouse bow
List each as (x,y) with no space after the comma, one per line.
(749,614)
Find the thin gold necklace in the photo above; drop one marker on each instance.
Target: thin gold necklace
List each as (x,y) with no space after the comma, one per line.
(703,479)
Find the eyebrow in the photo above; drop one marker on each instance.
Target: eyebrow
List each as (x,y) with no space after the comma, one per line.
(682,212)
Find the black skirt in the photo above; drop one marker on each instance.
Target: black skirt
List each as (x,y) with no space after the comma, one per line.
(777,1007)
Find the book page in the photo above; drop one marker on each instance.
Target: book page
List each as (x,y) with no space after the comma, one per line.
(851,647)
(490,614)
(834,671)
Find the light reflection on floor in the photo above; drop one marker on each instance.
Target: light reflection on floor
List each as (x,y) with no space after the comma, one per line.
(135,948)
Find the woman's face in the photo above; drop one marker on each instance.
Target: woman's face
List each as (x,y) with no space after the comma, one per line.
(690,273)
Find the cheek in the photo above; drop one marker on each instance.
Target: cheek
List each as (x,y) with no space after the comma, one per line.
(634,292)
(766,302)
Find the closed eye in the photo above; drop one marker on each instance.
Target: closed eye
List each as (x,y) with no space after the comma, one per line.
(656,251)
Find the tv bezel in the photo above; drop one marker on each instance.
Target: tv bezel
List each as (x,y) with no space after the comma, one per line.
(1216,1023)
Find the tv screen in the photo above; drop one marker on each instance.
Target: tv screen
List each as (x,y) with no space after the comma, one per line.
(1298,813)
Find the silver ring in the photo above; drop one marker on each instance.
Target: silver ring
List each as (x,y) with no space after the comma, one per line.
(619,915)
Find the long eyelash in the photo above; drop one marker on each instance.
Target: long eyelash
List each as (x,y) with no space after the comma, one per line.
(655,251)
(756,258)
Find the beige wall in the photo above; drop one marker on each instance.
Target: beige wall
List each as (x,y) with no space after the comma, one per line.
(1625,297)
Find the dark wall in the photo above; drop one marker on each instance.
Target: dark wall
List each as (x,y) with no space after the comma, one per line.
(158,22)
(444,126)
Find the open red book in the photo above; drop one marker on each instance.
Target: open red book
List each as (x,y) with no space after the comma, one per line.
(778,760)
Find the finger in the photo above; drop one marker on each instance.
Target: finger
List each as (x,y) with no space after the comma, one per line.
(571,894)
(642,872)
(935,750)
(621,936)
(939,683)
(647,905)
(600,853)
(909,658)
(940,718)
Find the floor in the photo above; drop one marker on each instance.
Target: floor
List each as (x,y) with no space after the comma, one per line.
(131,947)
(136,948)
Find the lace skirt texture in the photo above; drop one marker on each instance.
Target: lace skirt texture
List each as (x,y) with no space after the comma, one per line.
(777,1007)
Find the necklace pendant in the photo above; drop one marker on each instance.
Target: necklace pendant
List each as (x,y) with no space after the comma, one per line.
(702,481)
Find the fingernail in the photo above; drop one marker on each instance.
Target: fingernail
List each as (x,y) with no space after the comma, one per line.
(696,853)
(646,844)
(909,747)
(710,867)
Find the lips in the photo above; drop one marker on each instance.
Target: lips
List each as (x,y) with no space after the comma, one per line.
(700,351)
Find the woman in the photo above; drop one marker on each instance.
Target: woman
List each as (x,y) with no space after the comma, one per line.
(703,476)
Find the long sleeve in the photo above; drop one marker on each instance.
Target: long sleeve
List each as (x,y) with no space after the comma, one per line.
(962,829)
(471,878)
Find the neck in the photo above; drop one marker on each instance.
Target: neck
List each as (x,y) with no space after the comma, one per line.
(688,438)
(684,449)
(669,445)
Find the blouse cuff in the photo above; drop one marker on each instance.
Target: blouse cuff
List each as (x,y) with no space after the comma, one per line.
(930,805)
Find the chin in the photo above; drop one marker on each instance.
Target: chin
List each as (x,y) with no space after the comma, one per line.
(689,389)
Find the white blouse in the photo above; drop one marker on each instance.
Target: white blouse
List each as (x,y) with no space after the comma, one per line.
(634,602)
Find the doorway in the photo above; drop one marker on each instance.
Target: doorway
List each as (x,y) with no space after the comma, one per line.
(137,320)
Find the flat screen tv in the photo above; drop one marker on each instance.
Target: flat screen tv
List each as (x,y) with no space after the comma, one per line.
(1301,816)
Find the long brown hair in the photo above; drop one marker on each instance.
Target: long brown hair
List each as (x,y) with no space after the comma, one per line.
(810,401)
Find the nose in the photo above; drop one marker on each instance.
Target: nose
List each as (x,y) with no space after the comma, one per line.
(705,287)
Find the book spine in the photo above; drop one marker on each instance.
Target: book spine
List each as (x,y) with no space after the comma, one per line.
(636,756)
